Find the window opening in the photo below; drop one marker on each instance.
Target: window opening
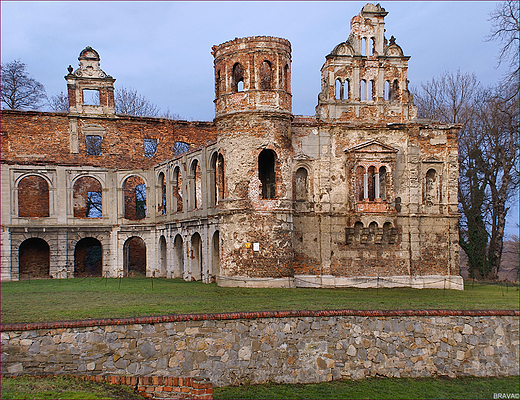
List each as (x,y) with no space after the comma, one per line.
(93,144)
(372,48)
(217,84)
(346,89)
(362,90)
(34,259)
(286,77)
(363,46)
(94,206)
(140,201)
(339,90)
(360,183)
(301,184)
(371,90)
(371,183)
(382,183)
(387,90)
(395,89)
(162,191)
(220,178)
(91,97)
(180,148)
(238,78)
(88,258)
(33,197)
(266,173)
(150,147)
(177,188)
(265,75)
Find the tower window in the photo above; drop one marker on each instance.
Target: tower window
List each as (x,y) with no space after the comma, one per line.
(238,78)
(266,173)
(265,75)
(91,97)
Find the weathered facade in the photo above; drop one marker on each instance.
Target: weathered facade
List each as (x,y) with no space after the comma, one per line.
(361,194)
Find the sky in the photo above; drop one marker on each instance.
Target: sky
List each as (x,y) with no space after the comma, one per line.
(163,49)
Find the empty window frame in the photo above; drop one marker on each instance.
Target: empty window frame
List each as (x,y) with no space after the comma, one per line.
(87,198)
(134,190)
(177,188)
(33,197)
(161,183)
(91,97)
(180,148)
(301,185)
(150,147)
(93,145)
(265,75)
(266,173)
(238,78)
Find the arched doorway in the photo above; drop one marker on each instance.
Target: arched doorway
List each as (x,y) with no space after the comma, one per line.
(196,257)
(88,258)
(215,255)
(162,256)
(34,259)
(134,257)
(178,263)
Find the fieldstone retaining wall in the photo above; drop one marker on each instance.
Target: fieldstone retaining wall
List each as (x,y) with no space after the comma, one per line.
(289,347)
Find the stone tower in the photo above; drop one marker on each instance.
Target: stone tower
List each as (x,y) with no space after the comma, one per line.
(253,119)
(365,78)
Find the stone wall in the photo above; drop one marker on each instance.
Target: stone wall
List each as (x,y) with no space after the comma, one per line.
(289,347)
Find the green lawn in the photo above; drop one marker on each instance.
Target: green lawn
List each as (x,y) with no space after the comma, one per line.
(62,387)
(379,388)
(26,387)
(68,299)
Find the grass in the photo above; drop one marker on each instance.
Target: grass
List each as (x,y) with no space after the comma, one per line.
(60,387)
(27,387)
(69,299)
(378,388)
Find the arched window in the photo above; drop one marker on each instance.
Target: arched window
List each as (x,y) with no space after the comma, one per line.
(382,183)
(372,46)
(88,258)
(220,178)
(395,90)
(358,230)
(339,90)
(387,227)
(301,185)
(387,90)
(177,188)
(34,259)
(286,81)
(346,89)
(196,190)
(33,197)
(217,84)
(362,90)
(134,190)
(161,207)
(266,173)
(87,197)
(238,78)
(364,46)
(265,75)
(372,231)
(430,195)
(371,90)
(371,183)
(360,183)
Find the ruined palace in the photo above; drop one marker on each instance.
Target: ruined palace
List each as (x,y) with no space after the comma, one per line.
(360,194)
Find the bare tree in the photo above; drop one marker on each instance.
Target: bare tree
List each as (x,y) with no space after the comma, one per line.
(488,160)
(19,91)
(59,102)
(505,27)
(129,102)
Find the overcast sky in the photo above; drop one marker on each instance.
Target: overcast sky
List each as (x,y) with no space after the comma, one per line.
(163,49)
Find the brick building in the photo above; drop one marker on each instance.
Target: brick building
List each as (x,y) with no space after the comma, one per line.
(361,194)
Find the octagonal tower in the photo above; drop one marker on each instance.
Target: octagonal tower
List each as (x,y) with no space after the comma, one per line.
(253,118)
